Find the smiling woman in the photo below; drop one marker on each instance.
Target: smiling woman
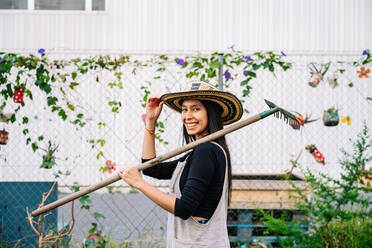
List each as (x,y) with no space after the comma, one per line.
(200,181)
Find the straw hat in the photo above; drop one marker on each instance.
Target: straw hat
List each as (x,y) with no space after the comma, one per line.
(232,109)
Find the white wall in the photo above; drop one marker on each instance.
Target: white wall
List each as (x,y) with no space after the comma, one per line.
(182,26)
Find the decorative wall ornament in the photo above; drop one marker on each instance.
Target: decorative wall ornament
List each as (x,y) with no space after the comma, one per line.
(318,156)
(18,95)
(317,73)
(109,166)
(346,119)
(3,137)
(363,72)
(331,117)
(302,120)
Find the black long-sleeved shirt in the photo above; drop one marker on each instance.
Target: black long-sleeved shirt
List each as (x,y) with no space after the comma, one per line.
(201,182)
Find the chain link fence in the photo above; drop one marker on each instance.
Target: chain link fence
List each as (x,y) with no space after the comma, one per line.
(259,152)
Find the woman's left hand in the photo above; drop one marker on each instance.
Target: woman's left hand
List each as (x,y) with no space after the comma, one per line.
(131,176)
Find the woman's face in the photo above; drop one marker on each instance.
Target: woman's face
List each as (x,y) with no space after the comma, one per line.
(195,118)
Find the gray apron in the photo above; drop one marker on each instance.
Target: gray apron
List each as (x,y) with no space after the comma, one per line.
(190,233)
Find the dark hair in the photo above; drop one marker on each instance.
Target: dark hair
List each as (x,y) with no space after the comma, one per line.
(214,124)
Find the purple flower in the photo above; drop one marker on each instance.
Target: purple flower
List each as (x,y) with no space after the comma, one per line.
(247,58)
(245,72)
(283,54)
(1,58)
(365,52)
(227,75)
(41,50)
(180,62)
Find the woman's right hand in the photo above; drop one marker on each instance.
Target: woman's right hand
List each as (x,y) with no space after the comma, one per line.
(153,109)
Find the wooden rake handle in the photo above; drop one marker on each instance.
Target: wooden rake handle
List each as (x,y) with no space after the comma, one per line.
(155,161)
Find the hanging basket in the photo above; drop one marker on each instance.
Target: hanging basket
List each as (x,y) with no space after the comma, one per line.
(3,137)
(331,117)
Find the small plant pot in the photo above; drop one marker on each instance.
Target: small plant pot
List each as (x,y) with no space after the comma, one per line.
(3,137)
(18,95)
(331,117)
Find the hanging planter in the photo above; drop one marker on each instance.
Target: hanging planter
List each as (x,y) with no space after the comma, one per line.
(331,117)
(332,81)
(318,156)
(18,95)
(317,74)
(3,137)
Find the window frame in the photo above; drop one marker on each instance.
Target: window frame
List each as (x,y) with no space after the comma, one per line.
(31,9)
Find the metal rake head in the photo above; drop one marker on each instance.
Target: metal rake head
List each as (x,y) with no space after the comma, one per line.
(288,117)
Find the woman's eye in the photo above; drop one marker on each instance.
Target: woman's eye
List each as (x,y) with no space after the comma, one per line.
(195,109)
(183,110)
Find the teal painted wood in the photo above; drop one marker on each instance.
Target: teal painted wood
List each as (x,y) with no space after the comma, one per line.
(15,198)
(245,226)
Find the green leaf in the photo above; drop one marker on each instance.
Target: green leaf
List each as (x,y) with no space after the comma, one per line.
(13,118)
(73,75)
(25,131)
(70,106)
(256,67)
(9,89)
(351,84)
(80,115)
(271,67)
(51,100)
(98,215)
(55,108)
(244,82)
(40,138)
(197,65)
(94,228)
(112,103)
(251,73)
(24,120)
(34,146)
(100,154)
(214,64)
(73,84)
(75,187)
(62,113)
(160,69)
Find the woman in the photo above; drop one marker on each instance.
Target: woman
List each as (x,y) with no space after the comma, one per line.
(200,180)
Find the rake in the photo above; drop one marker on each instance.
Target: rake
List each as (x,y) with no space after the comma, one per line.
(274,110)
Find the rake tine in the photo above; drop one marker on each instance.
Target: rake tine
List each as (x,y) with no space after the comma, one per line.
(287,116)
